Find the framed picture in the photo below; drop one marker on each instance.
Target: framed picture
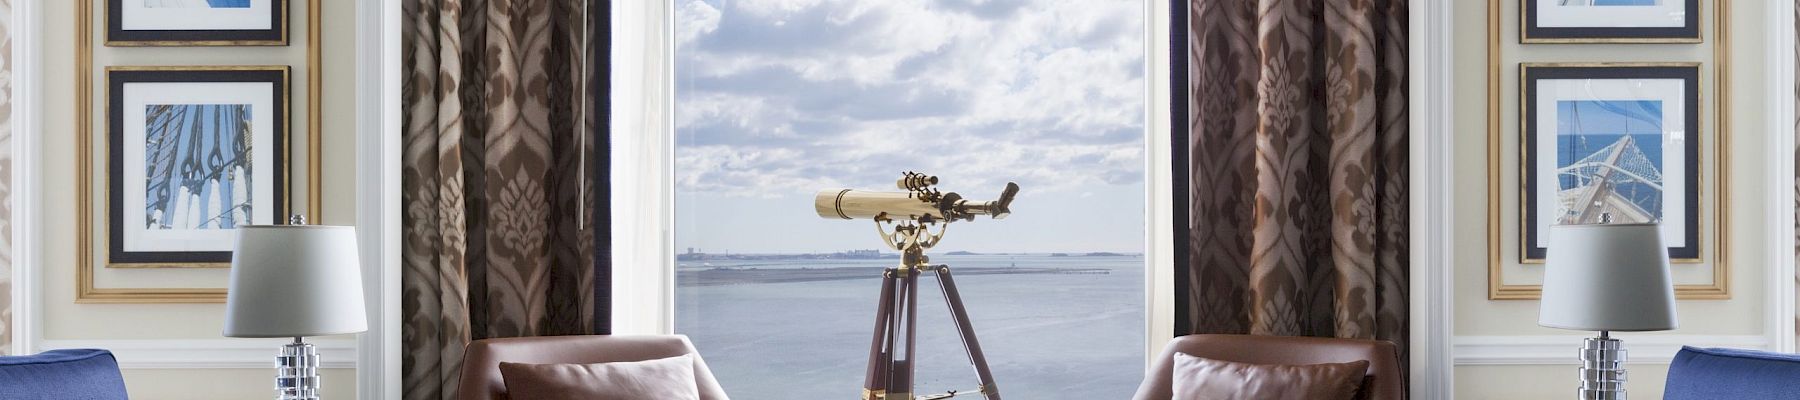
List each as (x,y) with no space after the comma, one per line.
(192,154)
(1611,143)
(1609,21)
(196,22)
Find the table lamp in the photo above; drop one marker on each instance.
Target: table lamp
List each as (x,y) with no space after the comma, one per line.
(295,281)
(1606,278)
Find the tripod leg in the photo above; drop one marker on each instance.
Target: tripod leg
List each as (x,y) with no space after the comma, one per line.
(900,385)
(967,331)
(880,357)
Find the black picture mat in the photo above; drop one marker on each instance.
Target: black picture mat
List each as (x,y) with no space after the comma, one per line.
(115,140)
(276,35)
(1689,30)
(1690,77)
(1178,159)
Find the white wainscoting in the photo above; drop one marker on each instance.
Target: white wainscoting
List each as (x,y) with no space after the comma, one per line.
(207,353)
(1563,349)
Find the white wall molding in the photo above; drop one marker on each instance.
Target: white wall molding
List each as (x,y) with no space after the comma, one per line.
(643,162)
(378,70)
(1562,349)
(208,353)
(1432,124)
(1780,94)
(26,99)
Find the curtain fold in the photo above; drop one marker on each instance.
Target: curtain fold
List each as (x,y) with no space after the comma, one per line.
(498,188)
(1296,168)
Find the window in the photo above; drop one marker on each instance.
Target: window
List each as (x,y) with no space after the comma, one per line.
(779,99)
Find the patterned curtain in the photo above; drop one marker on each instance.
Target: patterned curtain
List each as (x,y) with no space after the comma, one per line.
(499,180)
(1295,187)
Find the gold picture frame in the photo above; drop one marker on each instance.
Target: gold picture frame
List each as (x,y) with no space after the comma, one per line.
(1719,288)
(86,290)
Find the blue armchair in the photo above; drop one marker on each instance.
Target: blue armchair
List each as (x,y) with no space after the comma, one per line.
(75,374)
(1736,374)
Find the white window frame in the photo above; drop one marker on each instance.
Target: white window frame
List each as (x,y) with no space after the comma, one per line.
(643,165)
(643,242)
(643,195)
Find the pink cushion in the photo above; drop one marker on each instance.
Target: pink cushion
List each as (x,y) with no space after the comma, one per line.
(666,378)
(1206,379)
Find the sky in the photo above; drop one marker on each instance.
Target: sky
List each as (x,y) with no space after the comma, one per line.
(779,99)
(1609,117)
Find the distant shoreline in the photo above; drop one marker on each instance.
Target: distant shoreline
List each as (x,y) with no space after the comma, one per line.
(867,255)
(740,276)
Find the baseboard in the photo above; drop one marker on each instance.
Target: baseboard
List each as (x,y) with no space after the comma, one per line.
(206,353)
(1562,349)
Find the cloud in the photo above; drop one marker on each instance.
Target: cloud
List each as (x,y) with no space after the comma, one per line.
(807,94)
(695,18)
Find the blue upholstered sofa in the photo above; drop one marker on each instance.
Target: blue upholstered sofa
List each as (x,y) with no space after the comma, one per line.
(75,374)
(1698,373)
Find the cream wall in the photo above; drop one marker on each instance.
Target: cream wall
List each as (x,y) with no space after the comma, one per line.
(62,319)
(1478,316)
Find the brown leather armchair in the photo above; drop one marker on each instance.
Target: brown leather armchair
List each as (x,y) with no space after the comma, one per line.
(1383,382)
(481,362)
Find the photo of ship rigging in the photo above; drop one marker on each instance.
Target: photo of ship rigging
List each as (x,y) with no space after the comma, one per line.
(1609,161)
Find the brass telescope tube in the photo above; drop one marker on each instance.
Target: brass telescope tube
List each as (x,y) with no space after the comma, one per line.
(866,204)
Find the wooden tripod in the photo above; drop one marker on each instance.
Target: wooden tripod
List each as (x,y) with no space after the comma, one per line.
(890,375)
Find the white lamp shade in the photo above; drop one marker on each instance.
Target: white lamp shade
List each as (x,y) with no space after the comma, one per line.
(1607,278)
(293,281)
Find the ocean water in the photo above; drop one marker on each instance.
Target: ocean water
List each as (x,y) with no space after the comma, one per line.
(1046,336)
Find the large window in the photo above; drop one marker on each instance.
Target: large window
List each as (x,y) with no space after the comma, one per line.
(778,99)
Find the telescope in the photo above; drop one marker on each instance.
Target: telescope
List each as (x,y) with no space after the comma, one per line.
(892,351)
(919,202)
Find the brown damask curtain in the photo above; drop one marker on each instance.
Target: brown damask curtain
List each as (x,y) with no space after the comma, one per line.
(1296,167)
(498,181)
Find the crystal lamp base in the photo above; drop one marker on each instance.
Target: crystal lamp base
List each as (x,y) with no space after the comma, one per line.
(297,372)
(1602,369)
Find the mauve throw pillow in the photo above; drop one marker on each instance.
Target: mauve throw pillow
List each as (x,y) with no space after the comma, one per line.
(668,378)
(1205,379)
